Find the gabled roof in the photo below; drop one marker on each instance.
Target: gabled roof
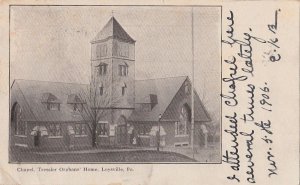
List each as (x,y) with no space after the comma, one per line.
(35,92)
(113,29)
(165,90)
(32,95)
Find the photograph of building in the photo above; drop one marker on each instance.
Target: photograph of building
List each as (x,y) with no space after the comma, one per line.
(114,112)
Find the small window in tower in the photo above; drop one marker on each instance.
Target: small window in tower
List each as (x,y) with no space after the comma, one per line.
(120,70)
(123,89)
(101,89)
(123,70)
(102,69)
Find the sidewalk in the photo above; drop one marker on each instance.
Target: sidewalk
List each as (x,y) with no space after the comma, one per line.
(95,150)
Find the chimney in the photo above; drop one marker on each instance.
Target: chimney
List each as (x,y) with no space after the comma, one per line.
(153,100)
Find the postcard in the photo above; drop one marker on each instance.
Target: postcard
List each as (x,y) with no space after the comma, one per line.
(166,92)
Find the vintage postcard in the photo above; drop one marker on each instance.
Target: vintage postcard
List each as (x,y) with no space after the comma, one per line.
(106,92)
(149,92)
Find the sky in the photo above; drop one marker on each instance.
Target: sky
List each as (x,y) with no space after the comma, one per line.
(52,43)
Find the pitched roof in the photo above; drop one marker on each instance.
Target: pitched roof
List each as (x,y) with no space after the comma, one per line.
(113,29)
(165,90)
(35,92)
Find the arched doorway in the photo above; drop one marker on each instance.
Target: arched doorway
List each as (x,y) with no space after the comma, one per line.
(121,131)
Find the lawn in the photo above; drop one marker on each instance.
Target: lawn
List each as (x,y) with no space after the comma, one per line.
(118,156)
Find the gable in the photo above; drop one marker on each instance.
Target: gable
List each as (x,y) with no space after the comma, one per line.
(164,90)
(16,96)
(180,99)
(34,93)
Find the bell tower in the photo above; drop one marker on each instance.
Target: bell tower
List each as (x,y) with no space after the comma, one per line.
(113,67)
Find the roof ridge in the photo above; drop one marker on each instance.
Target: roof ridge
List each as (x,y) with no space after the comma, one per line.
(162,78)
(49,81)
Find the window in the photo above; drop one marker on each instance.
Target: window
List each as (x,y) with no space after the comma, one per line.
(102,69)
(101,89)
(51,101)
(181,126)
(143,130)
(123,70)
(186,87)
(55,130)
(53,106)
(75,102)
(102,129)
(123,89)
(101,50)
(80,129)
(20,127)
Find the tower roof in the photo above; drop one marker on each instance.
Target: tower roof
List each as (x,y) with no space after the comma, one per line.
(113,29)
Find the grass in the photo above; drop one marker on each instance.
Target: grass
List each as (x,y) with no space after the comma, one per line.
(119,156)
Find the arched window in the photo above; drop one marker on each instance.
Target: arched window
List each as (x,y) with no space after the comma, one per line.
(123,69)
(186,87)
(19,126)
(102,69)
(181,127)
(121,130)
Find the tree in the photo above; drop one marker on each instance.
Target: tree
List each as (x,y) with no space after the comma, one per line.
(100,97)
(214,126)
